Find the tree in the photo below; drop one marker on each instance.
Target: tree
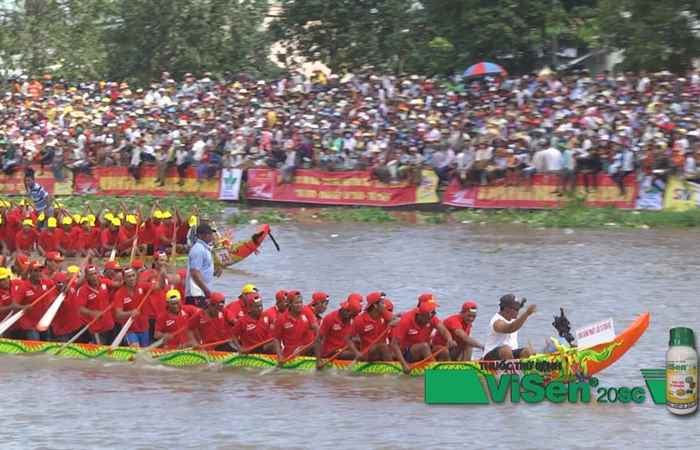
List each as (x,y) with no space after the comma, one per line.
(655,35)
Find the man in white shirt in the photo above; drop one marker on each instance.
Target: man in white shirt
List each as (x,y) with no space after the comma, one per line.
(502,340)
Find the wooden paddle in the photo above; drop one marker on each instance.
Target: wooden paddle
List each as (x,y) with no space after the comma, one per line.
(13,318)
(428,359)
(173,243)
(372,344)
(160,341)
(331,359)
(129,321)
(135,244)
(84,329)
(50,313)
(297,352)
(254,346)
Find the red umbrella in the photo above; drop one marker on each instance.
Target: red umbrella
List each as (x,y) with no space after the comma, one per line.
(484,68)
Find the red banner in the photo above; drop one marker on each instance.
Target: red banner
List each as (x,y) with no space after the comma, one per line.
(540,195)
(14,185)
(118,181)
(338,188)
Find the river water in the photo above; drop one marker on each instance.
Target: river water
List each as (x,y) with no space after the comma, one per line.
(63,404)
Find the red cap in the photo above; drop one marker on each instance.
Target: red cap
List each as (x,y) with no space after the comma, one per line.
(427,307)
(112,265)
(470,306)
(60,277)
(23,261)
(137,264)
(293,293)
(281,295)
(374,297)
(425,297)
(388,305)
(91,269)
(217,297)
(54,256)
(319,297)
(353,303)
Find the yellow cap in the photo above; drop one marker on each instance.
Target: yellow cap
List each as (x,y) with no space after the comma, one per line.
(58,205)
(67,220)
(121,215)
(5,273)
(76,218)
(41,217)
(52,222)
(130,218)
(192,221)
(85,220)
(0,219)
(116,222)
(248,288)
(29,222)
(73,269)
(158,214)
(167,214)
(109,216)
(171,294)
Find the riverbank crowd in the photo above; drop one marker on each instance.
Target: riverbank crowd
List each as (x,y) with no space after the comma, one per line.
(499,129)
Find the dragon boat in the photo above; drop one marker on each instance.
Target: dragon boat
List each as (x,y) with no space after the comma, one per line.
(567,364)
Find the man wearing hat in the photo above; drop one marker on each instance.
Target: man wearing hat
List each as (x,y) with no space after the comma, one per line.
(6,303)
(319,304)
(26,237)
(52,263)
(253,332)
(278,308)
(93,298)
(502,340)
(49,240)
(371,328)
(35,287)
(200,267)
(335,332)
(460,327)
(175,324)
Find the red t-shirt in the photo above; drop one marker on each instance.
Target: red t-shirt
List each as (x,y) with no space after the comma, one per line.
(234,311)
(68,319)
(128,300)
(369,330)
(108,237)
(25,240)
(272,313)
(29,292)
(172,323)
(89,239)
(146,233)
(212,329)
(409,333)
(334,332)
(294,331)
(252,332)
(96,299)
(6,299)
(49,240)
(123,237)
(452,323)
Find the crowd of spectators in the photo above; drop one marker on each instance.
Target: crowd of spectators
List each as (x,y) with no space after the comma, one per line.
(479,131)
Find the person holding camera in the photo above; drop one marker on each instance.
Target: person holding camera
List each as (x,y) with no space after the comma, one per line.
(502,340)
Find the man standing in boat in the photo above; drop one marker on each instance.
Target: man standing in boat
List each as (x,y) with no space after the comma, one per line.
(200,268)
(502,340)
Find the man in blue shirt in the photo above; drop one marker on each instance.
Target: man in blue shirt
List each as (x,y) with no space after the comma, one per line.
(37,193)
(200,268)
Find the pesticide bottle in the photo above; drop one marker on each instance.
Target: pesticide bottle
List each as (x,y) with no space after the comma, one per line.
(682,372)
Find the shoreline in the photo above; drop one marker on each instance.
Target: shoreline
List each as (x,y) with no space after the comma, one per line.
(572,215)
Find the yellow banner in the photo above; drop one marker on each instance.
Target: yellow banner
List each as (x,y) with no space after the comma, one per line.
(681,195)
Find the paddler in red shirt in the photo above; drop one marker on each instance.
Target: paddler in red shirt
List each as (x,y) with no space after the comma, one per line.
(49,238)
(66,239)
(411,338)
(127,235)
(26,238)
(86,238)
(278,308)
(236,309)
(52,264)
(109,238)
(68,320)
(7,302)
(33,288)
(319,304)
(127,300)
(460,327)
(211,326)
(295,330)
(94,299)
(372,329)
(253,332)
(175,324)
(335,333)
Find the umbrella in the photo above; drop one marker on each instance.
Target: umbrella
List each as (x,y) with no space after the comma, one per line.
(484,68)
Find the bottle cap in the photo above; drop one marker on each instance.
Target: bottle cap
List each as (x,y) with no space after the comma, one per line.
(682,336)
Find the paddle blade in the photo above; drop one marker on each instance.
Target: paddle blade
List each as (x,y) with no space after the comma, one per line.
(274,241)
(122,333)
(9,321)
(50,313)
(113,254)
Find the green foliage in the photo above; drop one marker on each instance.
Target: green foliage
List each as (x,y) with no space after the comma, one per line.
(365,214)
(185,204)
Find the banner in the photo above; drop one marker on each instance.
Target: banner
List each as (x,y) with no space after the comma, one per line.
(339,188)
(118,181)
(14,185)
(682,195)
(651,193)
(540,195)
(230,184)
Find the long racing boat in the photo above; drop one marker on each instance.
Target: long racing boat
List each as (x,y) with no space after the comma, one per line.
(567,364)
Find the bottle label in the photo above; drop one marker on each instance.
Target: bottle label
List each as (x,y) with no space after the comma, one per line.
(681,384)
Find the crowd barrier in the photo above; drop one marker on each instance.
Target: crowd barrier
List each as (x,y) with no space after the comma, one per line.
(356,188)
